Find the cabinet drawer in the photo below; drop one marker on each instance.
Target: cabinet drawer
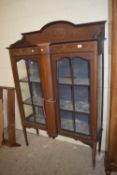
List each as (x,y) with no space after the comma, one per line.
(74,47)
(25,51)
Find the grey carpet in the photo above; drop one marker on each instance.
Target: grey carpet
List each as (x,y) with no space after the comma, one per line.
(45,156)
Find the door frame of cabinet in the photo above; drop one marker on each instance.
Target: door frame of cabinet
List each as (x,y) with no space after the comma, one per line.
(25,124)
(90,56)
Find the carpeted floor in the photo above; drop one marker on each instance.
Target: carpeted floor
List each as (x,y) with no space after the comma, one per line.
(45,156)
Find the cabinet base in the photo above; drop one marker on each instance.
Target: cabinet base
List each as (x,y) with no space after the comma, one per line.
(6,142)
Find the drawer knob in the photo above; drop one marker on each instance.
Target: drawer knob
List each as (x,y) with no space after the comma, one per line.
(79,46)
(42,49)
(32,50)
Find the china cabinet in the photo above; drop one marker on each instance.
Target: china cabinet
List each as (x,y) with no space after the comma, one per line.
(58,75)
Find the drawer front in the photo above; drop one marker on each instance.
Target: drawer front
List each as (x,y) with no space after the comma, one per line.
(74,47)
(24,51)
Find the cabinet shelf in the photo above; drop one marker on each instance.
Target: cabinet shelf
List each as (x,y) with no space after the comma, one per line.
(31,79)
(76,81)
(38,118)
(80,106)
(37,101)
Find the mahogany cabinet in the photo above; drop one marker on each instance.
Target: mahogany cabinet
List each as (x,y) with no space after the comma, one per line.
(58,75)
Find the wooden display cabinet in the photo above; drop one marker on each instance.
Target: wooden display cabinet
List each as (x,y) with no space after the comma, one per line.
(58,74)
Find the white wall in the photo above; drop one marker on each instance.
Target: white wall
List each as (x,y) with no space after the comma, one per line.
(21,16)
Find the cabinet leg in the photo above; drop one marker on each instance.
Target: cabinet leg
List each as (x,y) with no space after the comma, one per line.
(94,154)
(108,173)
(37,131)
(52,136)
(25,136)
(99,144)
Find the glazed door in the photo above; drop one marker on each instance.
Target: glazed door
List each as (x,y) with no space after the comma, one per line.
(73,81)
(76,84)
(30,91)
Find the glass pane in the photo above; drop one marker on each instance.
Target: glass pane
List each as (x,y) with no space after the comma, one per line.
(65,97)
(33,71)
(28,110)
(36,94)
(64,72)
(82,123)
(25,92)
(74,94)
(22,71)
(38,116)
(66,120)
(80,71)
(81,96)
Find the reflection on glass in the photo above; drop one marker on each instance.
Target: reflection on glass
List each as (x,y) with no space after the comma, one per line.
(36,94)
(81,97)
(38,117)
(28,68)
(28,110)
(64,68)
(76,70)
(80,69)
(25,91)
(22,71)
(73,75)
(65,96)
(82,123)
(66,120)
(64,72)
(33,71)
(31,116)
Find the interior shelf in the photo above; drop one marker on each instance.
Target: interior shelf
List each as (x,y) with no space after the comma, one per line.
(76,81)
(38,118)
(38,101)
(80,106)
(31,79)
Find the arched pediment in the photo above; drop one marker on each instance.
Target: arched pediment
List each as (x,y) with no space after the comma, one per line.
(62,31)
